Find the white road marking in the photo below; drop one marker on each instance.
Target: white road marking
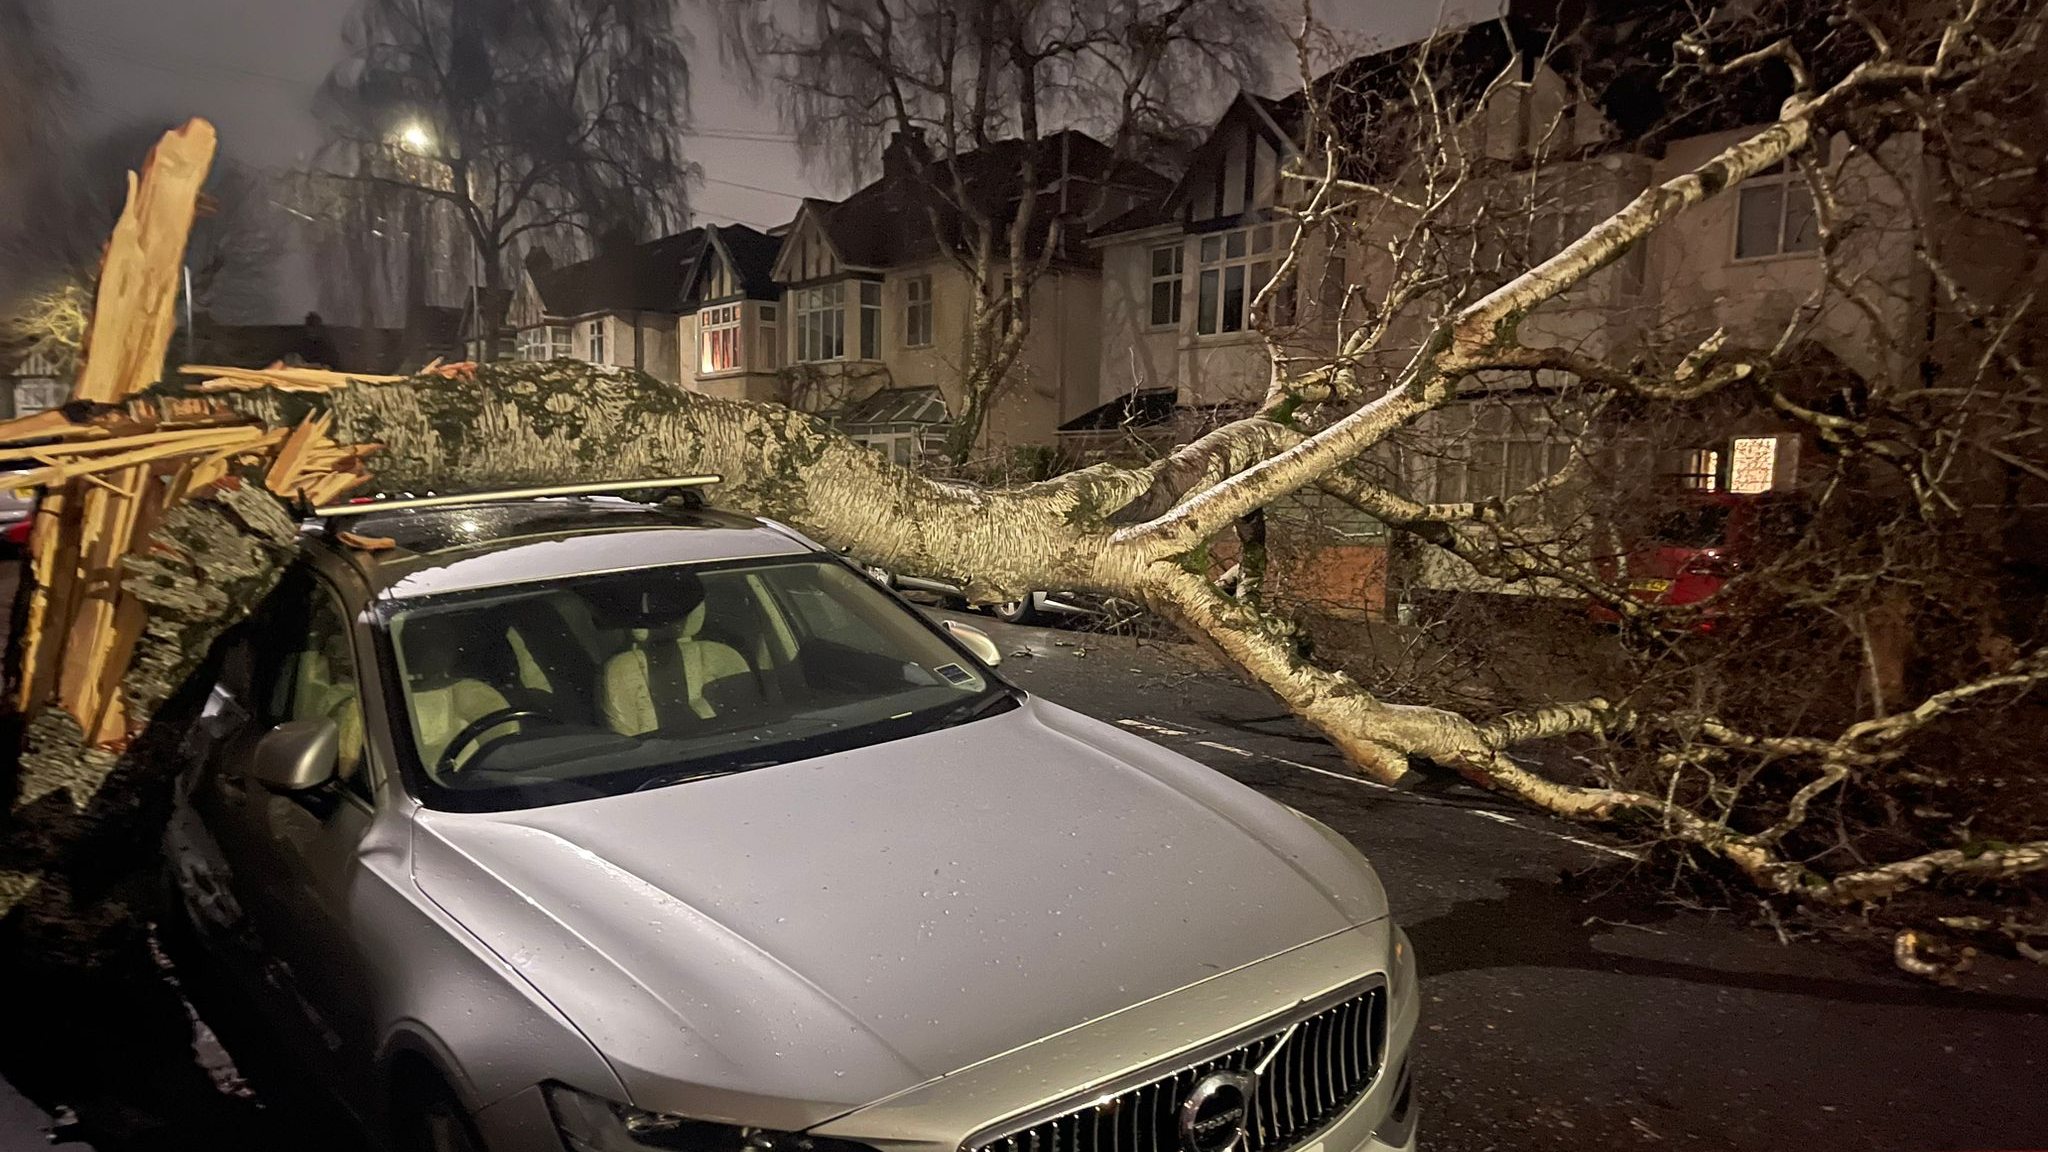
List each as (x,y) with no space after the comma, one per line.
(1347,777)
(1142,726)
(1353,778)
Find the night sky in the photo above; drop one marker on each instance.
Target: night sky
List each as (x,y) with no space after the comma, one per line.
(252,66)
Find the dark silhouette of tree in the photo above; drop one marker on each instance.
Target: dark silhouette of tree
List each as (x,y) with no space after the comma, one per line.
(66,208)
(517,116)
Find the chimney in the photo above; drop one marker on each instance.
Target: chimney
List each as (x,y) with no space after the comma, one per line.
(905,153)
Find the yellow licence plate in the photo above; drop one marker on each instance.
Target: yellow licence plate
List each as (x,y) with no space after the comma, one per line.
(1649,585)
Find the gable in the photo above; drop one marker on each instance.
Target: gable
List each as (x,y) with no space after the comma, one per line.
(527,310)
(1237,169)
(807,252)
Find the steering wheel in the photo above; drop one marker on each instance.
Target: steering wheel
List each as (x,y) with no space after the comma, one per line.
(477,727)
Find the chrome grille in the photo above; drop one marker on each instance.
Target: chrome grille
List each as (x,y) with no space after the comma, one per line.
(1314,1069)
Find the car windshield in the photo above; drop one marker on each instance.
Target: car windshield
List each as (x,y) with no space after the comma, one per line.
(594,686)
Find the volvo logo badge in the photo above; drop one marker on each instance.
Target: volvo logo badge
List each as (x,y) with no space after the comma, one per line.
(1214,1115)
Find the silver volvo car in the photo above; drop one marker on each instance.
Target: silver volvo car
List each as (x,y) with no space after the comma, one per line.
(591,824)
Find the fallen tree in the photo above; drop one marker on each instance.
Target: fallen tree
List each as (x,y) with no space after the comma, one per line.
(180,535)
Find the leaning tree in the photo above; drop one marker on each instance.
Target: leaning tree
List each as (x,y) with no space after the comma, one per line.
(185,488)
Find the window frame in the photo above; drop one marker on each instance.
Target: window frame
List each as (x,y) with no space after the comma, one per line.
(1463,456)
(1175,277)
(1212,311)
(918,311)
(598,336)
(1787,182)
(721,324)
(830,310)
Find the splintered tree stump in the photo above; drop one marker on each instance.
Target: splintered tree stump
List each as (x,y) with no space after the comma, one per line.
(78,860)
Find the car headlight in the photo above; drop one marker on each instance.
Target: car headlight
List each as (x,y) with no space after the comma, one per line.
(593,1124)
(1400,963)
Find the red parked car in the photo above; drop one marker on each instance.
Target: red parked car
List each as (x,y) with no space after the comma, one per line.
(1692,552)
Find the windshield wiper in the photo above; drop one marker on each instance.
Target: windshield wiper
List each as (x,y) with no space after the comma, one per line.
(971,710)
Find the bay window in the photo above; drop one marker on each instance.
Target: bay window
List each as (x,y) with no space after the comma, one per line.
(719,347)
(821,321)
(768,347)
(1234,267)
(550,342)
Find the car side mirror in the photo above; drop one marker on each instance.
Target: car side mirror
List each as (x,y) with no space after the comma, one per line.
(975,641)
(297,755)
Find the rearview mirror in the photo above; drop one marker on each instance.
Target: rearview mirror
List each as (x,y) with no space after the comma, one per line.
(297,755)
(975,641)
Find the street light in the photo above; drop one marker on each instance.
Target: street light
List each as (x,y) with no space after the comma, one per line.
(415,138)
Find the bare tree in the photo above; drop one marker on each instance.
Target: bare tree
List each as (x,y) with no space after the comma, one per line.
(35,86)
(972,99)
(536,116)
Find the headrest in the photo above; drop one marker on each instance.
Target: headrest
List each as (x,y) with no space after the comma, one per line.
(661,604)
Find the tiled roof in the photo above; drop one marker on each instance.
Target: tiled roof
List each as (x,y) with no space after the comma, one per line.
(1145,408)
(649,277)
(753,258)
(890,221)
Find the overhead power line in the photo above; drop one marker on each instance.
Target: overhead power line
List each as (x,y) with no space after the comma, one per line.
(754,188)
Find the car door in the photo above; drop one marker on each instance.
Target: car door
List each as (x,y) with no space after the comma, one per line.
(292,860)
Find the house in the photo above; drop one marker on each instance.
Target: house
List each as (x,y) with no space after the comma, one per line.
(877,294)
(32,379)
(1582,134)
(731,324)
(641,305)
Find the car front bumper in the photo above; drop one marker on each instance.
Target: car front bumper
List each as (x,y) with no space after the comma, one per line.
(1129,1048)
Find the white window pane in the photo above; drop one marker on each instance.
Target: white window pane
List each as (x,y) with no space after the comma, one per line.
(1233,245)
(1212,249)
(1205,309)
(1233,297)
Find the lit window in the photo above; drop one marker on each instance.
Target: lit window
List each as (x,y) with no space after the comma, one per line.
(597,342)
(1166,285)
(917,311)
(719,347)
(1234,267)
(1774,215)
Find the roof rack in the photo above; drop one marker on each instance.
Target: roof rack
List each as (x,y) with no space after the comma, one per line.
(593,489)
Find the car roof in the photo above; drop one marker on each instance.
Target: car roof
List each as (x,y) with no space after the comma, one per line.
(494,542)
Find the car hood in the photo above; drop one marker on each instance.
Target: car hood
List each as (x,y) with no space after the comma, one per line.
(779,946)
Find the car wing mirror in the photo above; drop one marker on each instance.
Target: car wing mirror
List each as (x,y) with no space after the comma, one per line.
(975,641)
(297,755)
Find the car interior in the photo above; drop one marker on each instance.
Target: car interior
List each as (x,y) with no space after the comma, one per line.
(682,654)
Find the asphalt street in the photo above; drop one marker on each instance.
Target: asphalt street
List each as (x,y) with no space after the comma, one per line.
(1565,1016)
(1558,1013)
